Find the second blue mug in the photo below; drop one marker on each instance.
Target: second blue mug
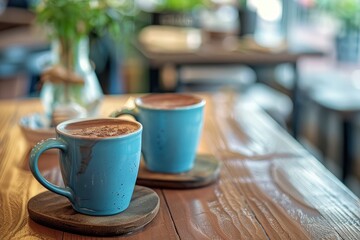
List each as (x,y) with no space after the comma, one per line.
(172,126)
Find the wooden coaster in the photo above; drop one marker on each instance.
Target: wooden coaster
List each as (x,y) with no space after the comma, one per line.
(205,171)
(55,211)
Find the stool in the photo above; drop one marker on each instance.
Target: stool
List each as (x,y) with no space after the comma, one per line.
(343,101)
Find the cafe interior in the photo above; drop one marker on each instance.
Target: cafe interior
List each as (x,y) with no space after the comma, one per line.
(297,60)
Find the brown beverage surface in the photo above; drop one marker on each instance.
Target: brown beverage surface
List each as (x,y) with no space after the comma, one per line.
(168,100)
(100,128)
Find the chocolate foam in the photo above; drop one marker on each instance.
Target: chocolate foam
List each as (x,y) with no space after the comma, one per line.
(100,128)
(168,100)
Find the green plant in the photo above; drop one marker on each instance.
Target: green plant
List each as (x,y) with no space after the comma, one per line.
(242,4)
(71,23)
(73,19)
(347,11)
(181,5)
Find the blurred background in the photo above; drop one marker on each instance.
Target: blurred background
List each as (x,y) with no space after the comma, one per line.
(266,51)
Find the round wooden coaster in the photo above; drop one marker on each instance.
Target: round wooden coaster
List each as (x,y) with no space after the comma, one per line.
(205,171)
(55,211)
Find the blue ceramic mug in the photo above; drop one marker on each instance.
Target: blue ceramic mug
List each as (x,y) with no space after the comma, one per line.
(172,124)
(99,162)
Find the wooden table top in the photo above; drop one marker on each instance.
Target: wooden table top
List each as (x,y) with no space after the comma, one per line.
(269,187)
(214,54)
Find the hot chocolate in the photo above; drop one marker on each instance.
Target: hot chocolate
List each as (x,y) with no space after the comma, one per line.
(99,162)
(101,128)
(168,101)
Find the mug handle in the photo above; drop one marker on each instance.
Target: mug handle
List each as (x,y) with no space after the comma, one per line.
(129,111)
(34,159)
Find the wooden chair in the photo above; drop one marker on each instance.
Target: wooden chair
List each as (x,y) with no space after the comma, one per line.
(13,81)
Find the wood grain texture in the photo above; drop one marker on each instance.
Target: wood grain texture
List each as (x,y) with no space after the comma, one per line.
(277,208)
(269,186)
(205,171)
(55,211)
(16,184)
(162,227)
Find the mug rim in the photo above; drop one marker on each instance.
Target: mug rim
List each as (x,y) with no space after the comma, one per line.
(59,128)
(187,107)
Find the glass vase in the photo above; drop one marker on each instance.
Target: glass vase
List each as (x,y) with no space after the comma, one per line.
(70,86)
